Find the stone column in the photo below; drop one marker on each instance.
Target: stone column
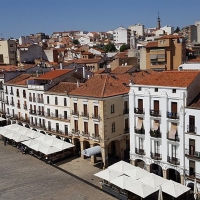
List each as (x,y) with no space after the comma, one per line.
(182,179)
(104,153)
(82,148)
(148,168)
(93,158)
(132,162)
(165,173)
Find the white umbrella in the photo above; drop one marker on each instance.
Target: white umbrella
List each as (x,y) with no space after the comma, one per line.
(108,174)
(160,196)
(63,145)
(31,142)
(153,180)
(33,134)
(121,166)
(3,130)
(10,134)
(43,138)
(195,189)
(49,150)
(19,138)
(136,173)
(174,189)
(140,188)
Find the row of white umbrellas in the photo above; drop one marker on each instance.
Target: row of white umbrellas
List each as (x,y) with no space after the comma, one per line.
(139,181)
(35,140)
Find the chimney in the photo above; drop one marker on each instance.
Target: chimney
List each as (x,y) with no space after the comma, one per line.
(61,66)
(78,83)
(84,71)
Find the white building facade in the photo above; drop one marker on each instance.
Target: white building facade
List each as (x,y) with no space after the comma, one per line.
(157,119)
(122,35)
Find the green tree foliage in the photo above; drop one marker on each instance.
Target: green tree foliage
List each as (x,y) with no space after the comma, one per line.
(75,41)
(177,30)
(110,47)
(124,47)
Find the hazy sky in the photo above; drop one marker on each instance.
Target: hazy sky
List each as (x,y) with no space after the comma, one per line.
(23,17)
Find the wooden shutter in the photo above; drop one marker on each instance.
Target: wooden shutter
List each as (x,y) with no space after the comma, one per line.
(96,111)
(96,130)
(140,103)
(156,105)
(174,107)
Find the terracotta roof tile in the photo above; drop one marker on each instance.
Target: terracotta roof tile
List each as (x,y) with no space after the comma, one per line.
(18,79)
(63,88)
(53,74)
(170,37)
(152,44)
(170,78)
(85,60)
(122,70)
(107,85)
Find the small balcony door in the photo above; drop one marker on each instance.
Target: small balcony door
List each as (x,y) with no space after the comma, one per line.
(86,127)
(191,123)
(95,111)
(192,168)
(75,108)
(126,124)
(96,130)
(156,105)
(85,109)
(66,129)
(140,104)
(76,125)
(57,127)
(141,143)
(174,107)
(191,146)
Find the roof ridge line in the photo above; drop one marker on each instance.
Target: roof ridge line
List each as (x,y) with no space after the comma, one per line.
(104,86)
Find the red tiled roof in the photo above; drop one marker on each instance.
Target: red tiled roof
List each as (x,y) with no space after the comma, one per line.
(152,44)
(100,71)
(196,60)
(122,69)
(170,78)
(170,37)
(53,74)
(87,53)
(18,79)
(85,60)
(63,88)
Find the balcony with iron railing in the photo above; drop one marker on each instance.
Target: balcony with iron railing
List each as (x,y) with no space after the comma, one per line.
(191,129)
(85,114)
(191,175)
(6,102)
(24,96)
(17,94)
(41,113)
(126,130)
(95,136)
(30,99)
(57,117)
(195,155)
(140,131)
(173,160)
(155,133)
(18,105)
(85,134)
(95,116)
(34,99)
(126,111)
(172,115)
(75,113)
(156,156)
(11,93)
(40,100)
(174,138)
(33,112)
(155,113)
(140,151)
(25,107)
(6,92)
(139,110)
(12,103)
(75,132)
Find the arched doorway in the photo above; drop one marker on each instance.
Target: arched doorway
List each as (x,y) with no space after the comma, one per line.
(156,169)
(174,175)
(27,126)
(140,163)
(19,123)
(58,137)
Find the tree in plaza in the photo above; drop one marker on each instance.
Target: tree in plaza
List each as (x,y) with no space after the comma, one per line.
(110,47)
(124,47)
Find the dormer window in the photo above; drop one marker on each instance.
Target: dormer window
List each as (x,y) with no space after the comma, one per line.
(156,89)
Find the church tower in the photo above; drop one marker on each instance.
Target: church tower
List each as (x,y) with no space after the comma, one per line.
(158,22)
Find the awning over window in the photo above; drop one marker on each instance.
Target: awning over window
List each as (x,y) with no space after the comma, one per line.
(91,151)
(153,56)
(172,131)
(155,125)
(139,123)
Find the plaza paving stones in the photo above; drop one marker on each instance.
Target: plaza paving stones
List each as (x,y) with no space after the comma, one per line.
(23,177)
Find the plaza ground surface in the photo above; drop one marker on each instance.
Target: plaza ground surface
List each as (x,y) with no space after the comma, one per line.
(24,177)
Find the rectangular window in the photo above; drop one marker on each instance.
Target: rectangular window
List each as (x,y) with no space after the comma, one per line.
(57,127)
(65,114)
(96,130)
(86,127)
(156,89)
(112,108)
(173,90)
(139,88)
(47,99)
(48,112)
(96,111)
(66,129)
(76,125)
(56,100)
(174,107)
(113,127)
(65,102)
(156,105)
(75,108)
(85,110)
(140,104)
(11,45)
(56,113)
